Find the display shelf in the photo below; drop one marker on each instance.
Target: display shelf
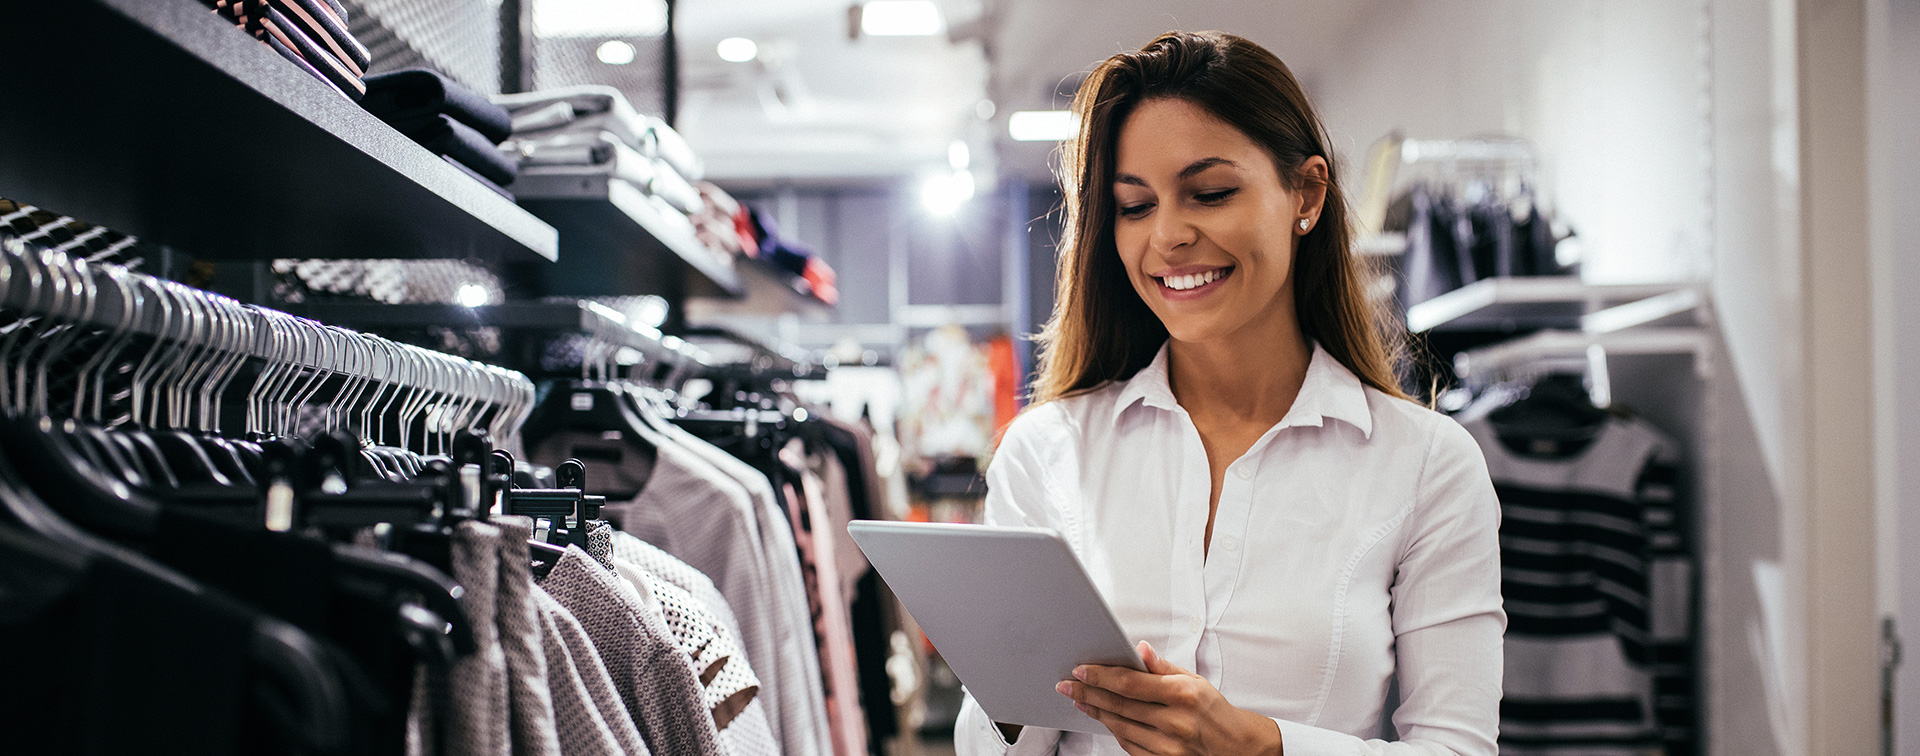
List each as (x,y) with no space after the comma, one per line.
(1530,303)
(1481,363)
(770,292)
(586,318)
(619,238)
(159,119)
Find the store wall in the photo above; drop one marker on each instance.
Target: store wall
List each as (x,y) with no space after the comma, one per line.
(1611,92)
(1894,88)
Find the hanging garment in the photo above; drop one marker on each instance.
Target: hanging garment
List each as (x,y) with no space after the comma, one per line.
(1597,587)
(117,660)
(813,528)
(692,510)
(1429,266)
(590,719)
(796,706)
(750,732)
(874,622)
(529,701)
(478,721)
(656,681)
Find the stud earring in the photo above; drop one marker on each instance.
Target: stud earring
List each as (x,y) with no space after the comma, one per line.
(1304,223)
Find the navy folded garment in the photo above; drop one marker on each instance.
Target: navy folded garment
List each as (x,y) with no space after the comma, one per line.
(453,139)
(408,98)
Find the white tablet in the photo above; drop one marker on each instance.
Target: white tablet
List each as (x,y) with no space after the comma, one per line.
(1010,609)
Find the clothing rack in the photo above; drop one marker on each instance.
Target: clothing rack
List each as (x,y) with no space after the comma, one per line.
(199,344)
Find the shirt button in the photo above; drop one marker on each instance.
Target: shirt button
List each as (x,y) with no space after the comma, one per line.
(1242,473)
(1229,543)
(1197,625)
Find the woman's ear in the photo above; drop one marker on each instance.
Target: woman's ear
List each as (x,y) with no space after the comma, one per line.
(1312,178)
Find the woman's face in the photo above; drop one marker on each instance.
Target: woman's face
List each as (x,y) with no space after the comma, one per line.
(1203,224)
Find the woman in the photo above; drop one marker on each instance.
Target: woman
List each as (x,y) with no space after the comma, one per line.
(1218,434)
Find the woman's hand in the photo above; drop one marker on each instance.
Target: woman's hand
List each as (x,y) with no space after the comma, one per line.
(1168,711)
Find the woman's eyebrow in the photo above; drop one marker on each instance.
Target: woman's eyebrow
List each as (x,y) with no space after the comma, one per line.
(1185,173)
(1203,164)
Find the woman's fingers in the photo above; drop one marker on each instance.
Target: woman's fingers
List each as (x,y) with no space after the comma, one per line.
(1128,730)
(1105,699)
(1132,683)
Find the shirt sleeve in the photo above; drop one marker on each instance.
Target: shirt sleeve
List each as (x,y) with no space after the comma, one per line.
(1447,616)
(1017,495)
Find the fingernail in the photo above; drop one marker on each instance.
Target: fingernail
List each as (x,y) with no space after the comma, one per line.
(1082,707)
(1064,688)
(1080,673)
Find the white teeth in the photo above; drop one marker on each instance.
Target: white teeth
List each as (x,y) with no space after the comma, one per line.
(1195,281)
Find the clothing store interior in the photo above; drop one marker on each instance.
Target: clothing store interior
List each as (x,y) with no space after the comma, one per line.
(502,376)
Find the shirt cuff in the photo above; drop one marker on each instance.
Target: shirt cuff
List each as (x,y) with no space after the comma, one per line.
(975,734)
(1306,740)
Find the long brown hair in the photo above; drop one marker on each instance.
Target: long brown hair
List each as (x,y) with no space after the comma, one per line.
(1101,330)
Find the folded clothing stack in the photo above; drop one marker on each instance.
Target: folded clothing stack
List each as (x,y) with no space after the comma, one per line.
(593,130)
(811,275)
(310,33)
(447,118)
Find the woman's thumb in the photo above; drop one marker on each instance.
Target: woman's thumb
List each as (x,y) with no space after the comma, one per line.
(1155,663)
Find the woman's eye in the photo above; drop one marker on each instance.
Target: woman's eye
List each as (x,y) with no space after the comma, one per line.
(1213,197)
(1135,211)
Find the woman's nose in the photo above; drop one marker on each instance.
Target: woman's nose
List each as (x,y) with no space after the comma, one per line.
(1172,230)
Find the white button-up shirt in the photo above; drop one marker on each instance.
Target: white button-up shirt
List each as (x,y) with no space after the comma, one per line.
(1355,542)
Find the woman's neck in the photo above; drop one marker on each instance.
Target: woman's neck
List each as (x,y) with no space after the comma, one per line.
(1253,374)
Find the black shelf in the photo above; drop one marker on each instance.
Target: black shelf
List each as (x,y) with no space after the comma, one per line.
(159,119)
(620,242)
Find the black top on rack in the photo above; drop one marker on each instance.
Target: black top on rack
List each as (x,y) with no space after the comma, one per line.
(159,119)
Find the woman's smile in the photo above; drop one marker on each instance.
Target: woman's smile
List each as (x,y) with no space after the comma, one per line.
(1191,282)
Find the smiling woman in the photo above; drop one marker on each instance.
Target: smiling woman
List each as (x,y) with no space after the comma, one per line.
(1219,436)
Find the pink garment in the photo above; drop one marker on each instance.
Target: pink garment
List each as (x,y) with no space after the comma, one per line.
(833,626)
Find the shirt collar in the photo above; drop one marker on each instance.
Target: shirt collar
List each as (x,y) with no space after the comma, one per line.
(1330,391)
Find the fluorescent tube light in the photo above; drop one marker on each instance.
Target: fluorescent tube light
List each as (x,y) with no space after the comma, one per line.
(599,18)
(1042,125)
(900,18)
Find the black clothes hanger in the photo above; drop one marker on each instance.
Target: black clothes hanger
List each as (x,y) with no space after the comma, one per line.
(598,409)
(1556,410)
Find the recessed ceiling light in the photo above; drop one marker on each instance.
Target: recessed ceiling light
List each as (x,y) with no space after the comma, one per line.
(738,50)
(1042,125)
(900,18)
(957,155)
(614,52)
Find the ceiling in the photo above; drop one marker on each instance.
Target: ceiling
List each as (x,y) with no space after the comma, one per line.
(817,106)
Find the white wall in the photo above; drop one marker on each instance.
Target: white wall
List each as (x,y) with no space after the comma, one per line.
(1611,92)
(1894,91)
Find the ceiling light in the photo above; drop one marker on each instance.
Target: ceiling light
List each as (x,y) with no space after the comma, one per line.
(900,18)
(1042,125)
(472,295)
(738,50)
(944,193)
(599,18)
(957,155)
(614,52)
